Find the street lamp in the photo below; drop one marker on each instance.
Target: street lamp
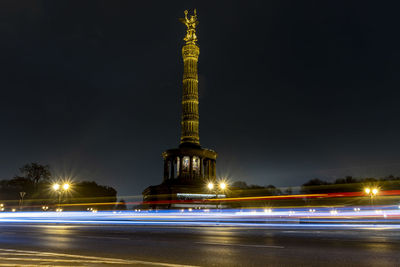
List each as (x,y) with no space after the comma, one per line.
(210,186)
(66,186)
(219,189)
(372,192)
(57,188)
(222,185)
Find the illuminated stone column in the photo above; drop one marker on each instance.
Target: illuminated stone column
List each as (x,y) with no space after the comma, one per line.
(214,172)
(191,167)
(172,169)
(180,167)
(201,168)
(208,168)
(190,95)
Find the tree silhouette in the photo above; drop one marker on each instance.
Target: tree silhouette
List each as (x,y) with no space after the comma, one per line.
(35,172)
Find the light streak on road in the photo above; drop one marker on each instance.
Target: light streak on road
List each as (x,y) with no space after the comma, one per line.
(342,217)
(16,257)
(337,195)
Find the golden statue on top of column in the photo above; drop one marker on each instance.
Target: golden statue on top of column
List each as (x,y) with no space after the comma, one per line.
(191,24)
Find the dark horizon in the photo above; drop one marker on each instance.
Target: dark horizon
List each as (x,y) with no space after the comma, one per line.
(288,91)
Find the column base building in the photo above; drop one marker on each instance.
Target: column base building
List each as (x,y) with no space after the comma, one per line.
(187,170)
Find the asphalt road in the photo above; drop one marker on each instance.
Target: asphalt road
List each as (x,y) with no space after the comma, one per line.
(100,245)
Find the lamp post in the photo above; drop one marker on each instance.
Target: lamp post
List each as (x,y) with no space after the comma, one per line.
(60,189)
(217,189)
(372,192)
(56,188)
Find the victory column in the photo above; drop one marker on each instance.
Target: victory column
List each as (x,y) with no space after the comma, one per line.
(189,168)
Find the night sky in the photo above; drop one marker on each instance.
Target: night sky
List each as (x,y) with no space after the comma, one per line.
(289,90)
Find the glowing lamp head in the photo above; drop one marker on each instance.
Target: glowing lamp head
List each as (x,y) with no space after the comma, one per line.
(222,185)
(210,186)
(66,186)
(375,191)
(367,190)
(56,187)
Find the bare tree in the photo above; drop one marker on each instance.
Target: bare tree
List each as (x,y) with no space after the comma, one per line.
(35,172)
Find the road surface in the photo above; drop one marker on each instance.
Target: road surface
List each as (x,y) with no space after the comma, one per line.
(109,245)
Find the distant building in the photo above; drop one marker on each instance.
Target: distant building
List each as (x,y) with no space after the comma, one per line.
(188,168)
